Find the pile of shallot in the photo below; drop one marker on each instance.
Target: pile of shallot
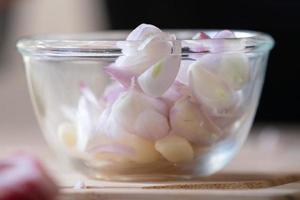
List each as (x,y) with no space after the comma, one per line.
(159,106)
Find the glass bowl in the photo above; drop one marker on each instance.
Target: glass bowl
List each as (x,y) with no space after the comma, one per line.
(112,125)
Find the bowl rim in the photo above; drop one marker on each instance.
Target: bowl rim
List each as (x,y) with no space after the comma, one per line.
(106,43)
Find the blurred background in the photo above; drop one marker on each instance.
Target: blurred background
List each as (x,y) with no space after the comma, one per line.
(280,98)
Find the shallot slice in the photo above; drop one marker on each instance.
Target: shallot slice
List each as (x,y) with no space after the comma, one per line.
(87,116)
(225,34)
(234,70)
(151,125)
(209,88)
(189,121)
(183,75)
(175,92)
(158,78)
(112,92)
(143,31)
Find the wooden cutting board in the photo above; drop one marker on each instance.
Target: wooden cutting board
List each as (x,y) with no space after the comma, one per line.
(268,167)
(220,186)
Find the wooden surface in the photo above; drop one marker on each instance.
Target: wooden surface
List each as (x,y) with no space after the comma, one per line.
(267,167)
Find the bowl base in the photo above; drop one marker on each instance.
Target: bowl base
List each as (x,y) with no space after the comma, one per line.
(206,165)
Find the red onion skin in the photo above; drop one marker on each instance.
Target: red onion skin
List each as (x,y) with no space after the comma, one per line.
(22,177)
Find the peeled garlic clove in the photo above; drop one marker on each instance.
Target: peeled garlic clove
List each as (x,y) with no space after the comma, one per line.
(234,70)
(158,78)
(151,125)
(112,92)
(175,149)
(208,88)
(188,121)
(67,135)
(143,31)
(144,149)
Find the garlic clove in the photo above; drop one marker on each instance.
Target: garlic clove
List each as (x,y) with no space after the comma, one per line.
(144,149)
(175,149)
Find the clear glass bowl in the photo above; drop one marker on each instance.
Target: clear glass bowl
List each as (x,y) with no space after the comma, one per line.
(192,129)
